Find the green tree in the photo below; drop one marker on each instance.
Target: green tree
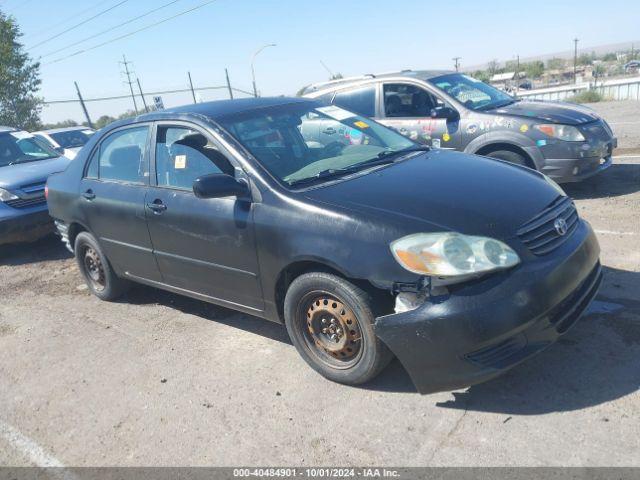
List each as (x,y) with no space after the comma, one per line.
(556,63)
(19,80)
(533,69)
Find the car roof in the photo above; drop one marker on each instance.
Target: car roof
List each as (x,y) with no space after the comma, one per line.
(63,129)
(221,108)
(7,129)
(333,84)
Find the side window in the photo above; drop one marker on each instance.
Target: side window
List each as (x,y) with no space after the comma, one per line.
(183,154)
(361,101)
(122,156)
(92,168)
(403,100)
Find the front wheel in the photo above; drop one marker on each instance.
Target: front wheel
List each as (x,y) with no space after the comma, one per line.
(96,269)
(511,157)
(330,323)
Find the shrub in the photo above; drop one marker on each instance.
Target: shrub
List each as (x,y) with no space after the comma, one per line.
(588,96)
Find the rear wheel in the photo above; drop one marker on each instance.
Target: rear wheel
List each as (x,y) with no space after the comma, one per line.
(96,269)
(511,157)
(330,322)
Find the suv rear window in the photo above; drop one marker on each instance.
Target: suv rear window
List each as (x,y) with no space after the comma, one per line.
(361,101)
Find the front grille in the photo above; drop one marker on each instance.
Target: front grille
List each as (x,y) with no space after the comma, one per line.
(540,234)
(27,202)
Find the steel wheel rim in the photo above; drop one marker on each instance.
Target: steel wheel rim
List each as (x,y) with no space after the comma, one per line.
(331,330)
(94,269)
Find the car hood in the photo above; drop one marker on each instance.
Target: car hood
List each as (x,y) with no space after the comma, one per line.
(442,191)
(16,176)
(552,112)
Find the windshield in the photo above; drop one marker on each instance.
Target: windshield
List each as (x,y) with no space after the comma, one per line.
(21,147)
(72,138)
(472,93)
(299,141)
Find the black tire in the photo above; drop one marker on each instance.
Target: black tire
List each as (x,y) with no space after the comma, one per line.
(96,269)
(318,302)
(511,157)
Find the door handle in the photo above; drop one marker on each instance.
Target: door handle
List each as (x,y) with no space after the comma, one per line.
(329,131)
(89,195)
(157,206)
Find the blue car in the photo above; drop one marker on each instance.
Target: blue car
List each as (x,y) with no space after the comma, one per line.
(25,164)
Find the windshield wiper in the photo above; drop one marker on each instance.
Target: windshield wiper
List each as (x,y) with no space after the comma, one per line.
(394,153)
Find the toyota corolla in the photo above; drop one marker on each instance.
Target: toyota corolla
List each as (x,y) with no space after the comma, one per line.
(461,266)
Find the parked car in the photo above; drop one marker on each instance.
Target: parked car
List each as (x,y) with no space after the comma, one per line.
(25,164)
(67,141)
(455,111)
(461,266)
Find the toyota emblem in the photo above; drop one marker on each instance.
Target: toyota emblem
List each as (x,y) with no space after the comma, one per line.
(561,226)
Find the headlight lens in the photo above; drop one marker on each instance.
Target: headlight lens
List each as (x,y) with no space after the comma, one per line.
(6,195)
(450,254)
(561,132)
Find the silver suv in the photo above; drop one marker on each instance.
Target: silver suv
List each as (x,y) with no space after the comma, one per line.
(455,111)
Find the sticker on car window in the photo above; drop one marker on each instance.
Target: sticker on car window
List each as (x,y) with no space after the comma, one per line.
(361,124)
(21,135)
(336,113)
(180,162)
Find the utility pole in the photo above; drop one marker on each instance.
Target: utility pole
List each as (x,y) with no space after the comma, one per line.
(253,71)
(575,60)
(144,102)
(129,81)
(84,107)
(193,92)
(457,62)
(226,73)
(517,73)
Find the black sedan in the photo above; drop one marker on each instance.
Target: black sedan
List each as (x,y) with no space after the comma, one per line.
(365,246)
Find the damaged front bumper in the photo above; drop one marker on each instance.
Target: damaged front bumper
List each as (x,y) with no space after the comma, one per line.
(480,330)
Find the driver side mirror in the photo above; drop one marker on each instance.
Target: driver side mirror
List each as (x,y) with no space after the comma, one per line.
(448,113)
(219,185)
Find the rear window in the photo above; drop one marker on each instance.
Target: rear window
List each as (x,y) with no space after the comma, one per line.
(72,138)
(122,156)
(361,101)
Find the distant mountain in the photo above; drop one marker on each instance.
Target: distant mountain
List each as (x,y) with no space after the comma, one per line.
(567,54)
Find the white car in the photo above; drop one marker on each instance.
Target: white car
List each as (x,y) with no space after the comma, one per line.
(67,141)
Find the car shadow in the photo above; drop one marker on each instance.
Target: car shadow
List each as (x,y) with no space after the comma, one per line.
(619,179)
(142,295)
(46,249)
(594,363)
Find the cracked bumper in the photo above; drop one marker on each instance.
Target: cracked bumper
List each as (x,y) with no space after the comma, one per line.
(484,329)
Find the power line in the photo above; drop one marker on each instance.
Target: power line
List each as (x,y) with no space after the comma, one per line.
(77,25)
(110,29)
(65,21)
(162,92)
(147,27)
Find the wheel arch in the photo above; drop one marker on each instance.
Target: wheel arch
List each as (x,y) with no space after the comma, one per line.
(307,265)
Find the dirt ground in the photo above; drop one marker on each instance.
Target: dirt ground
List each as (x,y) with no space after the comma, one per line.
(624,118)
(158,379)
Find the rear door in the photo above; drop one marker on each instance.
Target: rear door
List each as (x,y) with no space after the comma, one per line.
(113,191)
(205,246)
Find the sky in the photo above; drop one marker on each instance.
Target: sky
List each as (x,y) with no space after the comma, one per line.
(349,37)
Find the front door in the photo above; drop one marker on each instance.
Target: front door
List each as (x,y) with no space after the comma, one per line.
(410,109)
(206,246)
(113,192)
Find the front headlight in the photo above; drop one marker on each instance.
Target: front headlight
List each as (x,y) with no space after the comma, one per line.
(450,254)
(561,132)
(6,195)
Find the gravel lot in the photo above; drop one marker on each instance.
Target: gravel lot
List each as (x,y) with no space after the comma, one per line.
(158,379)
(624,118)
